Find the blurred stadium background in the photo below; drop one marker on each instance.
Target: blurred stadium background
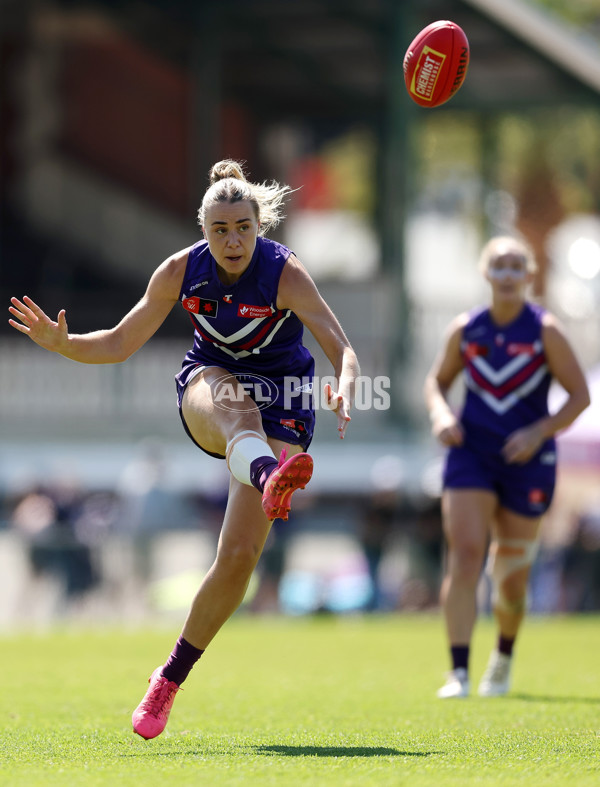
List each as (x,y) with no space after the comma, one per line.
(111,114)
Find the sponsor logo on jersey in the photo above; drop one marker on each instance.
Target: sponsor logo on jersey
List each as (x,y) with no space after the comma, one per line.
(200,284)
(252,312)
(298,427)
(227,298)
(520,348)
(537,498)
(203,306)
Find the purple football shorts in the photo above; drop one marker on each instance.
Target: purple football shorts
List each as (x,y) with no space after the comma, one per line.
(293,424)
(526,488)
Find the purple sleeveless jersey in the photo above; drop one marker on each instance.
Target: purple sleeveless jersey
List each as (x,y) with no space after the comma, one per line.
(239,328)
(506,373)
(507,381)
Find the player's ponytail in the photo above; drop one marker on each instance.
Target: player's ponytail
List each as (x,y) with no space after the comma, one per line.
(228,168)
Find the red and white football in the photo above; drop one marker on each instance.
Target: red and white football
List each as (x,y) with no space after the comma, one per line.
(435,64)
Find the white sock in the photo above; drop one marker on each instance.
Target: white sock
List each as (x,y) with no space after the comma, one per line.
(242,450)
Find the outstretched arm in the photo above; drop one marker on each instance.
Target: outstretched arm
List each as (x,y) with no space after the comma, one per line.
(105,346)
(298,292)
(446,367)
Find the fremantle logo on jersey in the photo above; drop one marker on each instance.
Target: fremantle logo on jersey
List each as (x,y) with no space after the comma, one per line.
(472,349)
(204,306)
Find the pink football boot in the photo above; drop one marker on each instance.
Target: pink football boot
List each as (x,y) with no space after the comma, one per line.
(152,714)
(283,482)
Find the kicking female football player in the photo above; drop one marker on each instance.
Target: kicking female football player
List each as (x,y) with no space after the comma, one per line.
(501,462)
(244,389)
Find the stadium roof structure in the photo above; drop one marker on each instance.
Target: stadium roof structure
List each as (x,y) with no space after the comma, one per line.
(577,54)
(344,57)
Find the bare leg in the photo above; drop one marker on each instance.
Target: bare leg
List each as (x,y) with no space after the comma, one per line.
(511,554)
(467,515)
(245,525)
(214,424)
(513,587)
(244,532)
(243,535)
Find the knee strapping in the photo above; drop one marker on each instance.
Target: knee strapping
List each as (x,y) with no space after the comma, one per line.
(242,450)
(509,555)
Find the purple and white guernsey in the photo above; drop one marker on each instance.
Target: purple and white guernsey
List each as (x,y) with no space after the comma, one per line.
(506,373)
(507,380)
(238,327)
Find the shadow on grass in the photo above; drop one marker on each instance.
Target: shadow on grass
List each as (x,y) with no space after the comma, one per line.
(555,698)
(292,751)
(338,751)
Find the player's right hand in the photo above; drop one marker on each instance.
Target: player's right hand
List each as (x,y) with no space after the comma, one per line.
(447,429)
(35,323)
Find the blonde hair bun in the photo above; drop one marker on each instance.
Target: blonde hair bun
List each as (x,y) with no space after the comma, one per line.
(228,168)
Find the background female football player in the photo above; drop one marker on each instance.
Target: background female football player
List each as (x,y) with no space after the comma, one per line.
(501,464)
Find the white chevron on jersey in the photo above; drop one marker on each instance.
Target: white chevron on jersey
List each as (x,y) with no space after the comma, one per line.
(498,376)
(235,337)
(501,406)
(243,332)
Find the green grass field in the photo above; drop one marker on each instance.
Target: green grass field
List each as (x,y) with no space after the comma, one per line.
(279,701)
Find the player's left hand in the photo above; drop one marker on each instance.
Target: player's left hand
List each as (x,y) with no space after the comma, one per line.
(523,444)
(340,406)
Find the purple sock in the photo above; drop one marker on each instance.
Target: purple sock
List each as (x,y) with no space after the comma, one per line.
(181,661)
(260,470)
(460,656)
(505,645)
